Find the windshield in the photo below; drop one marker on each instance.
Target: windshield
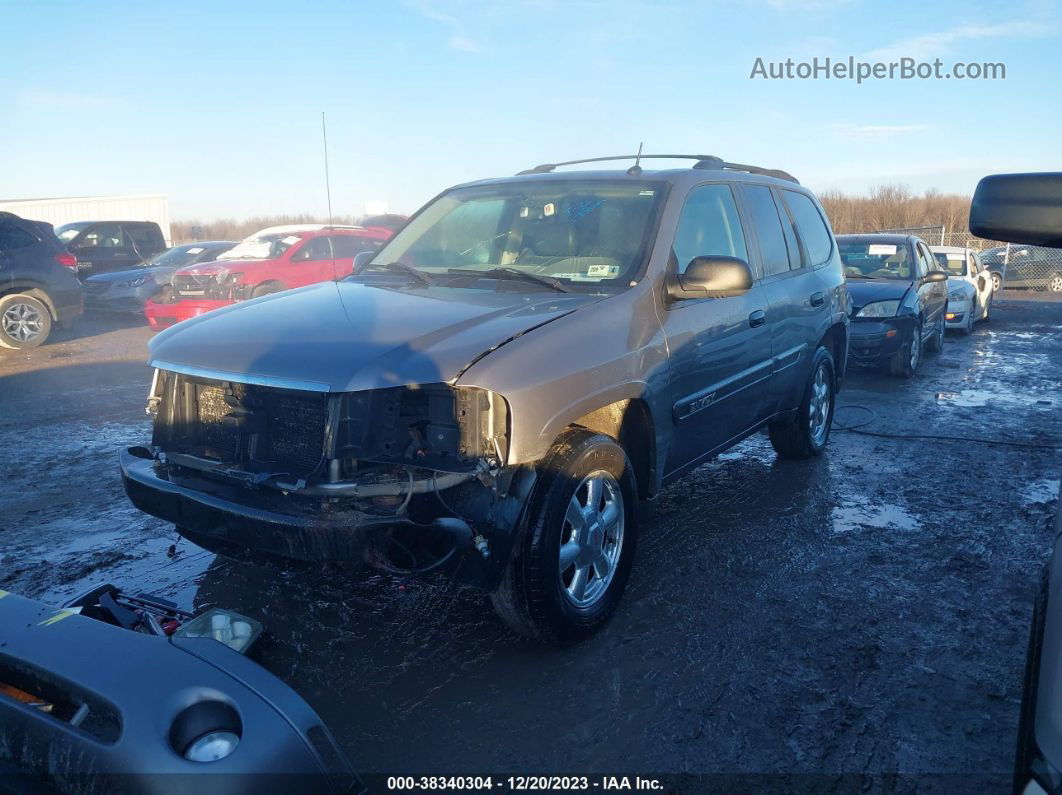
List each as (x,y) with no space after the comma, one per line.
(68,232)
(176,257)
(262,246)
(586,232)
(953,263)
(864,260)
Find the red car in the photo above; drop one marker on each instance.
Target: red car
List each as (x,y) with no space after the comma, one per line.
(275,259)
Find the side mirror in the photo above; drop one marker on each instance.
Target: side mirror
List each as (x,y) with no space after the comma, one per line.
(361,259)
(936,276)
(1021,208)
(711,277)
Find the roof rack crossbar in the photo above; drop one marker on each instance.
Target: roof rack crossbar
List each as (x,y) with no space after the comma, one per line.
(707,162)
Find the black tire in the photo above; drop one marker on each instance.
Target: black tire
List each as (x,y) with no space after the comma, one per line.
(988,308)
(801,437)
(967,328)
(265,289)
(935,343)
(25,322)
(533,598)
(904,363)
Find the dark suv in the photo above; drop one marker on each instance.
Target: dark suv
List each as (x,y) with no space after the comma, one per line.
(104,246)
(38,282)
(495,389)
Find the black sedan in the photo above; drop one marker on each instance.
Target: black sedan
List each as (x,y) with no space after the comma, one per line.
(129,290)
(898,300)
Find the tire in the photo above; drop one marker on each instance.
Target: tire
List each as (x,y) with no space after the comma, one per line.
(537,597)
(904,363)
(935,344)
(265,289)
(967,329)
(807,434)
(1054,284)
(988,309)
(997,282)
(24,322)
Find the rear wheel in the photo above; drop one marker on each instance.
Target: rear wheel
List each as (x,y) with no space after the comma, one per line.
(807,434)
(904,363)
(1054,284)
(24,322)
(570,568)
(997,282)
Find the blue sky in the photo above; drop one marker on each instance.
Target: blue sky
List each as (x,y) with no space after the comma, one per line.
(218,104)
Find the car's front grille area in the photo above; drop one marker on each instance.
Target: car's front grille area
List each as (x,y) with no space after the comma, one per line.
(195,285)
(256,428)
(95,288)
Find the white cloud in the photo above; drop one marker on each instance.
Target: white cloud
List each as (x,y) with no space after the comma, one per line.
(463,44)
(930,45)
(875,132)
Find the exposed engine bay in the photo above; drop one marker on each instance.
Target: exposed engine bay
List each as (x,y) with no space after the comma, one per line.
(377,445)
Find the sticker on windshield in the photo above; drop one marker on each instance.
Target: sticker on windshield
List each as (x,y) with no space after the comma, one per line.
(291,240)
(549,209)
(956,257)
(881,249)
(196,250)
(603,271)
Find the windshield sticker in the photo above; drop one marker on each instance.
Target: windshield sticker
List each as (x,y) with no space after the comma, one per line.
(881,250)
(196,250)
(585,207)
(956,257)
(291,240)
(549,209)
(646,192)
(603,271)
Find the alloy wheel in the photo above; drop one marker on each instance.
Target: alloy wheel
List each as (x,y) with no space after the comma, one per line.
(22,322)
(819,405)
(1055,284)
(591,539)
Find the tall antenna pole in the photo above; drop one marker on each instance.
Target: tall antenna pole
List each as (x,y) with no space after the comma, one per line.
(328,184)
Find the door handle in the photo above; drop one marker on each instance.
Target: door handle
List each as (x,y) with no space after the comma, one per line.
(757,318)
(818,299)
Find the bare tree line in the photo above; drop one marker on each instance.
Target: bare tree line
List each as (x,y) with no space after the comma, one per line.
(890,206)
(895,207)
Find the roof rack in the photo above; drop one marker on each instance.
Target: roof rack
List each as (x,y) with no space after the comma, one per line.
(706,162)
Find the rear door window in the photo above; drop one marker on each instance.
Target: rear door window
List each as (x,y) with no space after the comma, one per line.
(811,226)
(774,250)
(142,237)
(102,236)
(709,225)
(347,246)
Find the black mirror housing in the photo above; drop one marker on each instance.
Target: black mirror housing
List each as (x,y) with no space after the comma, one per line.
(936,276)
(711,277)
(1019,208)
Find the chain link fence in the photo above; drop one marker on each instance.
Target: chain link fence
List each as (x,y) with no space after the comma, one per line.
(1012,265)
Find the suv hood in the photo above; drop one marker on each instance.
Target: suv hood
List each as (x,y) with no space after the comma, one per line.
(348,336)
(128,275)
(865,291)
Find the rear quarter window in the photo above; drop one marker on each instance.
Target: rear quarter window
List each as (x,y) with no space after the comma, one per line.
(811,226)
(13,237)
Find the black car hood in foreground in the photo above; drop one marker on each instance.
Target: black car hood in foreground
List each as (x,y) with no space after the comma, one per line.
(866,291)
(348,336)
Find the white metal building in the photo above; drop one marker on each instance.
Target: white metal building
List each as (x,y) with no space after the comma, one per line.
(148,207)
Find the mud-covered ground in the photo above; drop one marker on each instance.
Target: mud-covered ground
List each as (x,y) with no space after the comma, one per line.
(863,614)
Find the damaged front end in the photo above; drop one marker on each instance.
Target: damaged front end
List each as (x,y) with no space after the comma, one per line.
(408,478)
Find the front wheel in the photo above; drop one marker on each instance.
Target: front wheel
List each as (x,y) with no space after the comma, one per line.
(807,434)
(24,322)
(571,566)
(997,282)
(904,363)
(1054,284)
